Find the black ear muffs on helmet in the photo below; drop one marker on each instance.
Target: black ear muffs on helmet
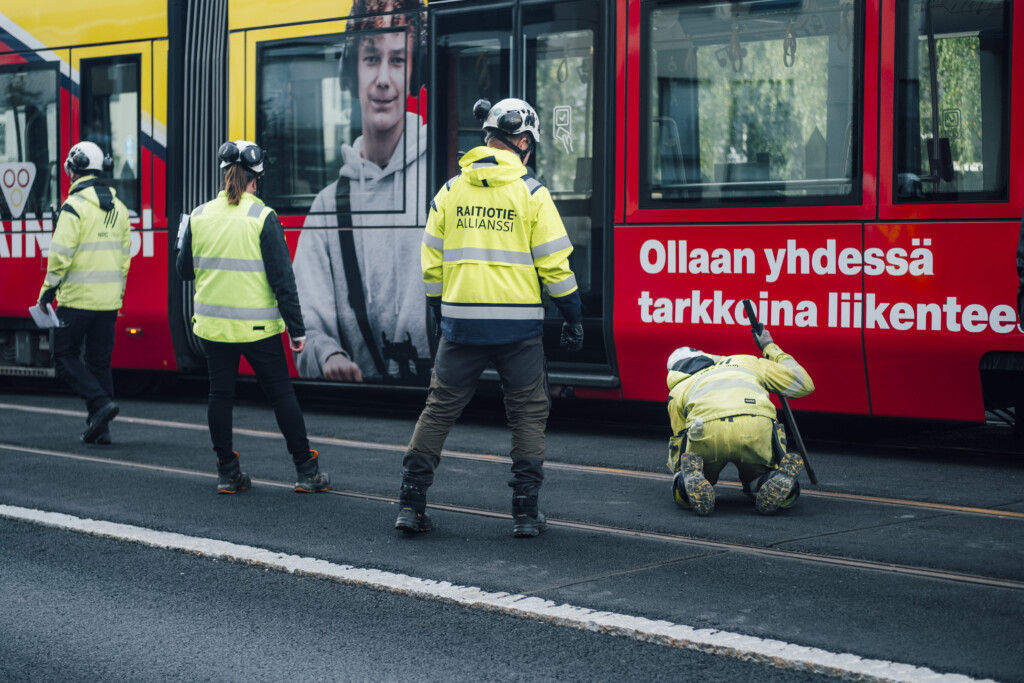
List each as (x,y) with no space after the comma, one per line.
(250,157)
(78,162)
(509,123)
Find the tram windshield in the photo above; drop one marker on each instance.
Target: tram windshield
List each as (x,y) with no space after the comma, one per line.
(751,101)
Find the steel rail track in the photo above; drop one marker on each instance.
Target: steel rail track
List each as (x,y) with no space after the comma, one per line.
(723,546)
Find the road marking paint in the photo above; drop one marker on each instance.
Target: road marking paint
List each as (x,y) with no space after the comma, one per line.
(462,455)
(769,652)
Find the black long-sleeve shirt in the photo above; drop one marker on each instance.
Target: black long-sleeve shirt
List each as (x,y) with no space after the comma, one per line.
(277,262)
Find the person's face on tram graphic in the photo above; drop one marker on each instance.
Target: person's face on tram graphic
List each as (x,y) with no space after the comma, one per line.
(382,73)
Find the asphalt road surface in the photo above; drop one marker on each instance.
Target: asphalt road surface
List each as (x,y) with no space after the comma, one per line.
(120,563)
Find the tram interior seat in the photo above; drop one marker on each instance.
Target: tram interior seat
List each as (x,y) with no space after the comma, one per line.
(744,172)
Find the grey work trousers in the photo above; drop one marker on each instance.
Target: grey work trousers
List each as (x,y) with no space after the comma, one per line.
(457,370)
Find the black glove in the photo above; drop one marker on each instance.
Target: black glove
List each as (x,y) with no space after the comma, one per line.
(435,322)
(572,336)
(48,296)
(762,338)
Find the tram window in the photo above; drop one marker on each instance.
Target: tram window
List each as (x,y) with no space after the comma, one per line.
(29,168)
(559,82)
(952,67)
(751,102)
(111,118)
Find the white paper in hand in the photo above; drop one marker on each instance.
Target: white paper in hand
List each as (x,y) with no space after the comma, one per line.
(44,316)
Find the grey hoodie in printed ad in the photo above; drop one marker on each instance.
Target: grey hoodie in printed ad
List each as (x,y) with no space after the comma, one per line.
(387,245)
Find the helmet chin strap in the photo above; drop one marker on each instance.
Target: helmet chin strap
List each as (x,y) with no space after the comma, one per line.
(508,142)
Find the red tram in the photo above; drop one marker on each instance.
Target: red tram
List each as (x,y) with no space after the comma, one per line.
(849,165)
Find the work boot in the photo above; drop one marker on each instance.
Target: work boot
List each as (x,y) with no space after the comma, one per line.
(413,517)
(309,477)
(779,486)
(527,520)
(700,494)
(99,422)
(230,477)
(102,439)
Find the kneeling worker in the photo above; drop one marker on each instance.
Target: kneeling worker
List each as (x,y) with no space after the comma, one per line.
(721,413)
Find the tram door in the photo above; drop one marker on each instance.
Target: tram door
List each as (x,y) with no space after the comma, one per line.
(551,55)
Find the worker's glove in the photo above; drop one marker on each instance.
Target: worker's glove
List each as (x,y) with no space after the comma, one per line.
(572,336)
(48,296)
(435,322)
(762,338)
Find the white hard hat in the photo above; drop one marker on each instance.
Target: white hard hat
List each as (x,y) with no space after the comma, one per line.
(512,116)
(248,154)
(86,156)
(689,360)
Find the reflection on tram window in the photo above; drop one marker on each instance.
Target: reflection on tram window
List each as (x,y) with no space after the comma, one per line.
(753,102)
(334,116)
(952,67)
(110,118)
(29,172)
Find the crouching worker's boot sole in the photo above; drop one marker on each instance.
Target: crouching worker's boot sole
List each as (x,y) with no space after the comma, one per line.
(778,485)
(699,491)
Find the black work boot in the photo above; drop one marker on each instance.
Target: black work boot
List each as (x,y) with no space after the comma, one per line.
(230,477)
(413,517)
(309,478)
(98,424)
(527,520)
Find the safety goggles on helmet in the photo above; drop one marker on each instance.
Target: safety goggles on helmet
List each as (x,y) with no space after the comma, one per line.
(248,154)
(689,360)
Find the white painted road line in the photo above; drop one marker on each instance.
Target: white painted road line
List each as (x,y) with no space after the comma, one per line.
(748,648)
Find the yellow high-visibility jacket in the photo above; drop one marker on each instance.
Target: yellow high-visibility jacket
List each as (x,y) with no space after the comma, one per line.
(493,236)
(234,302)
(91,248)
(735,385)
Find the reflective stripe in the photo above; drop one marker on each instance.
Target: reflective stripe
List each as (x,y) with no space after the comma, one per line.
(433,205)
(710,385)
(199,209)
(127,251)
(52,280)
(532,184)
(563,287)
(433,287)
(255,210)
(490,312)
(109,245)
(233,313)
(432,241)
(81,277)
(451,181)
(238,265)
(551,247)
(488,162)
(492,255)
(798,377)
(61,249)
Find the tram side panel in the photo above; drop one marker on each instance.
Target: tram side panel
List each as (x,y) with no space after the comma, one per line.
(40,125)
(683,286)
(945,300)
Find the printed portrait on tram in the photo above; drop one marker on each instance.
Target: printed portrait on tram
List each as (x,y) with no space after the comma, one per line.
(360,286)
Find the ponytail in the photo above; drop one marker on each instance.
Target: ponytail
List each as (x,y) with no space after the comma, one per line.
(235,182)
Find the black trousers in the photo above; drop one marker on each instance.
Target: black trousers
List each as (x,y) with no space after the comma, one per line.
(88,372)
(267,359)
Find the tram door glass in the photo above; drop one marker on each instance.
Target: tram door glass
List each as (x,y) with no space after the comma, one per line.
(110,118)
(29,168)
(751,102)
(550,62)
(952,71)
